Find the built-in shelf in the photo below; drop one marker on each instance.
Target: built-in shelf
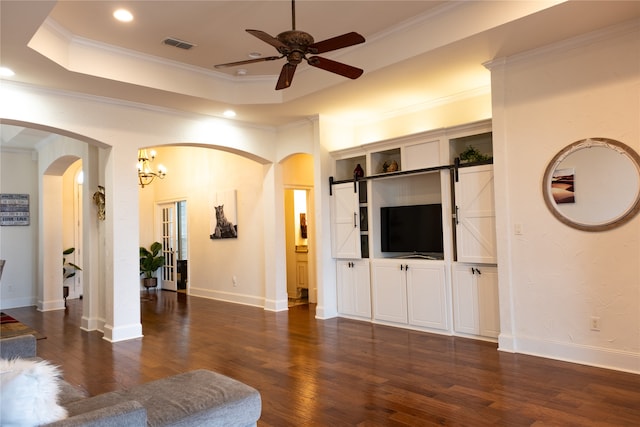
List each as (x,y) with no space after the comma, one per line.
(345,167)
(482,142)
(386,161)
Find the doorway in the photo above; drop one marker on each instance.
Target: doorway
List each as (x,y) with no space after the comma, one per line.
(174,238)
(297,240)
(72,225)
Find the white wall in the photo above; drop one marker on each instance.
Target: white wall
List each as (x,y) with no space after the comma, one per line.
(553,278)
(18,175)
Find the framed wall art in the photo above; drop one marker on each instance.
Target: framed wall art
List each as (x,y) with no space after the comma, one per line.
(224,217)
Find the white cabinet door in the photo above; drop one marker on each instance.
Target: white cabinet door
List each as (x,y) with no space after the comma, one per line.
(475,300)
(476,229)
(354,291)
(345,228)
(426,293)
(488,302)
(389,291)
(465,300)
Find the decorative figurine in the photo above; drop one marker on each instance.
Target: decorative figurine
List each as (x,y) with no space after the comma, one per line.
(358,172)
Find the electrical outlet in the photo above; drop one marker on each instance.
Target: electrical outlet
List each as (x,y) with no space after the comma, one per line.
(595,323)
(234,279)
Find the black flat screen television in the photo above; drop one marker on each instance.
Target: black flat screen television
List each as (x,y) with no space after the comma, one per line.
(414,229)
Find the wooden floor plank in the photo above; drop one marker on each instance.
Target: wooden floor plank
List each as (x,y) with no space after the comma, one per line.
(337,372)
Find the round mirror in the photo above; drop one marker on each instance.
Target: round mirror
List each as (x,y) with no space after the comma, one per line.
(593,184)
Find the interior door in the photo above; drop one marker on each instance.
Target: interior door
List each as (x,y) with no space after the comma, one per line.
(169,243)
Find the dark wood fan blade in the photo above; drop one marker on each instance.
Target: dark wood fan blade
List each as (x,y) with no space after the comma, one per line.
(268,39)
(345,40)
(335,67)
(286,76)
(248,61)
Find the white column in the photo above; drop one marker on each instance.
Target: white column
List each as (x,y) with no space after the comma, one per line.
(275,258)
(121,249)
(93,243)
(326,267)
(50,244)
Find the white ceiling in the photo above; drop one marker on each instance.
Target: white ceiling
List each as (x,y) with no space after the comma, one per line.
(417,52)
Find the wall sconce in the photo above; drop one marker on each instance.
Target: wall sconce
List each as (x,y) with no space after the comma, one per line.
(146,175)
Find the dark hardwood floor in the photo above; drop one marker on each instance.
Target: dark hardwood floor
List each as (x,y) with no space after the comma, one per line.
(338,372)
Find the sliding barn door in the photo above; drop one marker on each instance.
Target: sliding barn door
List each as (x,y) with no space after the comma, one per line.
(476,231)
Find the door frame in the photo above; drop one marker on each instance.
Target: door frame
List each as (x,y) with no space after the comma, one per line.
(311,255)
(158,233)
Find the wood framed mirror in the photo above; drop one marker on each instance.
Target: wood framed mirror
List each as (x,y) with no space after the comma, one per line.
(593,184)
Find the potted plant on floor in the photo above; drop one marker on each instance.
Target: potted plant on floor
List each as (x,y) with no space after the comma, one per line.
(68,271)
(150,261)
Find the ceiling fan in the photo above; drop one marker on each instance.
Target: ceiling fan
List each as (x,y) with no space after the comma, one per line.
(296,45)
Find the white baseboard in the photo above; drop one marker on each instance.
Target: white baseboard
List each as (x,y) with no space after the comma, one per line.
(90,324)
(585,355)
(7,303)
(323,314)
(276,305)
(51,305)
(122,333)
(231,297)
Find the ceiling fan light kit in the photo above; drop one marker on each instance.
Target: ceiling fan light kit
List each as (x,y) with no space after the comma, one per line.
(296,45)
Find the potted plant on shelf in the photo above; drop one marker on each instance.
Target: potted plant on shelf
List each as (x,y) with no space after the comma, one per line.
(68,271)
(471,154)
(150,261)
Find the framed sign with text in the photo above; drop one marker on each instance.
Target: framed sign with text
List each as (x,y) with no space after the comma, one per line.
(14,209)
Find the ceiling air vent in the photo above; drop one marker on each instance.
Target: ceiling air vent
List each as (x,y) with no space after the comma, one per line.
(172,41)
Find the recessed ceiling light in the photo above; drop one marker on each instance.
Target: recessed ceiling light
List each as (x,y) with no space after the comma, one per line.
(6,72)
(123,15)
(241,72)
(229,113)
(255,55)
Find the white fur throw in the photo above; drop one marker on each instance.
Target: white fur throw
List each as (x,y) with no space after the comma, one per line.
(29,393)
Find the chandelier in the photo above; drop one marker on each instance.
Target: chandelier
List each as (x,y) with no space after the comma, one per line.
(146,175)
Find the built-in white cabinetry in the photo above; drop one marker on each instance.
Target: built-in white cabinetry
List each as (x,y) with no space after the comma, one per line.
(475,215)
(345,221)
(475,299)
(410,292)
(354,289)
(452,290)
